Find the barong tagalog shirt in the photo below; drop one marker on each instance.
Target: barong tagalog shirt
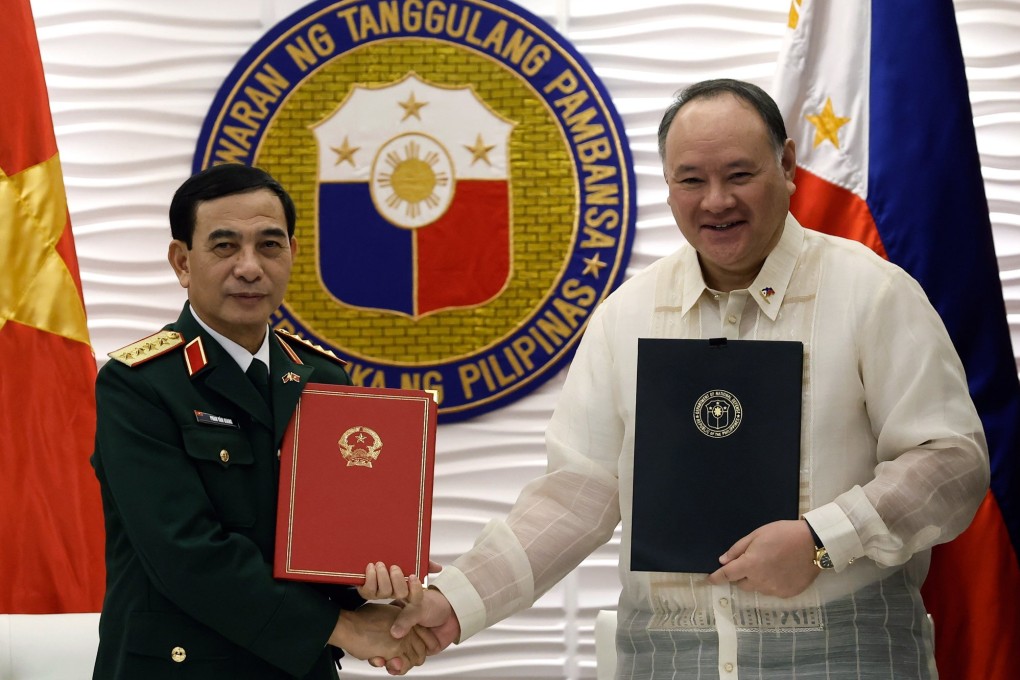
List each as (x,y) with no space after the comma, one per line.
(893,461)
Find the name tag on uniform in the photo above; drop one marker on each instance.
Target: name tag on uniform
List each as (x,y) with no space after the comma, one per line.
(204,418)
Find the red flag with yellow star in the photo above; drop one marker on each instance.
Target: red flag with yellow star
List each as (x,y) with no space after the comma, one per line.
(51,531)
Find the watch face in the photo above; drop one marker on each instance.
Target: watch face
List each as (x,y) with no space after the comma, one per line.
(822,559)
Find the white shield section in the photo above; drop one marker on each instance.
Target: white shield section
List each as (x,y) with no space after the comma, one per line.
(412,141)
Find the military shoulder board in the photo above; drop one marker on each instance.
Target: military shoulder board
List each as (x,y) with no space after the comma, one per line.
(296,339)
(148,348)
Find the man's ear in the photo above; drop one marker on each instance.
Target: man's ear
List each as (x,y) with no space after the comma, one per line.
(179,257)
(293,247)
(789,163)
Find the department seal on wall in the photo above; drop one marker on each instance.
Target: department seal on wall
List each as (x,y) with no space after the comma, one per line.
(461,176)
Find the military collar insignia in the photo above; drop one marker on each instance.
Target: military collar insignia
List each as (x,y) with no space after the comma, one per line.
(291,338)
(194,356)
(290,352)
(148,348)
(291,377)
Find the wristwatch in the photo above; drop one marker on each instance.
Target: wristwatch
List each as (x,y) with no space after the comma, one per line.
(822,559)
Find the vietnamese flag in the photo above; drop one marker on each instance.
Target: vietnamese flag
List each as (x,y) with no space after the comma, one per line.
(51,530)
(875,95)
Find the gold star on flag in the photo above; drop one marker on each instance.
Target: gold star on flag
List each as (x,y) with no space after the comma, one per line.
(36,288)
(593,265)
(480,152)
(827,125)
(411,108)
(345,152)
(794,18)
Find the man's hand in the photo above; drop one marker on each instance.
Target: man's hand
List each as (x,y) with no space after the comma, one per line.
(365,634)
(434,612)
(383,583)
(430,614)
(775,559)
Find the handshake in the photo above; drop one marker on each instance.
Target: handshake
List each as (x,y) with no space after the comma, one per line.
(399,635)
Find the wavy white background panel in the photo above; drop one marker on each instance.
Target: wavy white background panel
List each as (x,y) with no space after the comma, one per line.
(130,83)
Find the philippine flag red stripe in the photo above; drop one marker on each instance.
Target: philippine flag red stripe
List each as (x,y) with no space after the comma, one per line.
(876,97)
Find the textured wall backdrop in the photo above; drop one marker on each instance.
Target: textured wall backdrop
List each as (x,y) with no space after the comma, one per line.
(130,83)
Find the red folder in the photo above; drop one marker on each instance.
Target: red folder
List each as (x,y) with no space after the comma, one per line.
(356,471)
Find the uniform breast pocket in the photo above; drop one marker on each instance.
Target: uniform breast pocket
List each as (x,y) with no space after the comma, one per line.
(226,464)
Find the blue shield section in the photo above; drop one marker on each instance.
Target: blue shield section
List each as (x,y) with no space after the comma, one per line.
(364,261)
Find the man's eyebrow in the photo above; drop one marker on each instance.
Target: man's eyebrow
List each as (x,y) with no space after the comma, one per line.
(273,231)
(739,163)
(223,233)
(217,234)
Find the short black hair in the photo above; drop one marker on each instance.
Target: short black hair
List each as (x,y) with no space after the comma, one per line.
(218,181)
(758,98)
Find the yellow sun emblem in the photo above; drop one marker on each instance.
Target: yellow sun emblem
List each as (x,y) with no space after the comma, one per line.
(412,180)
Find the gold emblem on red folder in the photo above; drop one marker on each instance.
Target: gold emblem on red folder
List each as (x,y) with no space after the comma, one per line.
(360,446)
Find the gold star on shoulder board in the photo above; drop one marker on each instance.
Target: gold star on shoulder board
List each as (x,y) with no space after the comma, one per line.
(593,265)
(480,152)
(827,125)
(345,152)
(411,108)
(143,350)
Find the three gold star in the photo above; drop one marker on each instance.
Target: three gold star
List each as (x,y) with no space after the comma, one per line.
(827,125)
(411,108)
(345,152)
(480,152)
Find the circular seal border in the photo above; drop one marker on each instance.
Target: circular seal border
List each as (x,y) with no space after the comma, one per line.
(738,414)
(499,367)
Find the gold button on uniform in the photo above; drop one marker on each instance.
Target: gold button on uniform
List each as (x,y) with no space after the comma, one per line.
(728,667)
(225,456)
(178,654)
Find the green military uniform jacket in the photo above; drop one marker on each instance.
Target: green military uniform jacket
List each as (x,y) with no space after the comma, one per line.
(186,456)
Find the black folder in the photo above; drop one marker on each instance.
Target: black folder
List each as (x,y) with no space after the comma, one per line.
(716,447)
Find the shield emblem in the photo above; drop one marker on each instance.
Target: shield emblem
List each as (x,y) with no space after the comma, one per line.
(413,198)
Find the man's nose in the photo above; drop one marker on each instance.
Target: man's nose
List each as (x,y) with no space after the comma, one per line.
(717,198)
(248,265)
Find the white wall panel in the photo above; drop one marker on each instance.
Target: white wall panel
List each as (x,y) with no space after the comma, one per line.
(130,83)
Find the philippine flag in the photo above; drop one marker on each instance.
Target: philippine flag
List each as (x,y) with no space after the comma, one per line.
(875,96)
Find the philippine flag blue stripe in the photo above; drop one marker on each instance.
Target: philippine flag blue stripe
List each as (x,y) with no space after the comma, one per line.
(927,196)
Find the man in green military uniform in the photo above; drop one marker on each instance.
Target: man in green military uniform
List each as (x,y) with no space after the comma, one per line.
(189,422)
